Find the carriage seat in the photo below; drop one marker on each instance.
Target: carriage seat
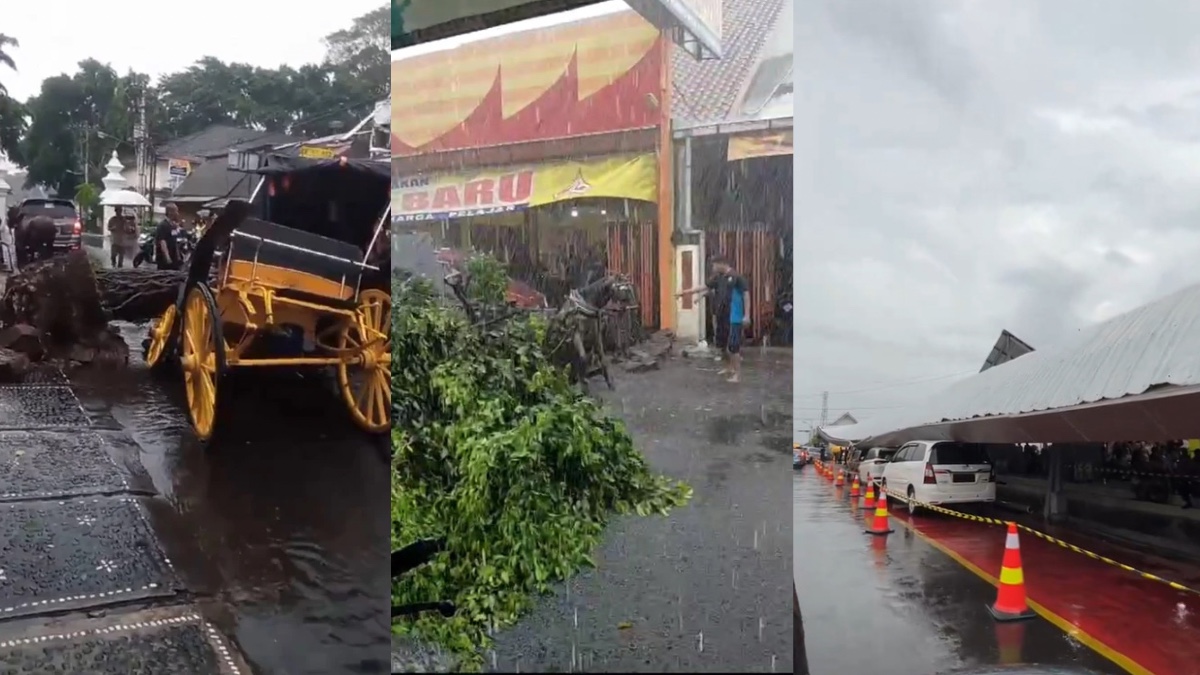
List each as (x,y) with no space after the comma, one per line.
(295,263)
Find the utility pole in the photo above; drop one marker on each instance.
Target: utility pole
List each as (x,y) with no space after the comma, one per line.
(83,150)
(139,143)
(824,408)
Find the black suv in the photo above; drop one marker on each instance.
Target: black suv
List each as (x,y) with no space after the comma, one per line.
(65,216)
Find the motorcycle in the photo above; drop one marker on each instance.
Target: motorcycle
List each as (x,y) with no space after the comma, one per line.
(146,248)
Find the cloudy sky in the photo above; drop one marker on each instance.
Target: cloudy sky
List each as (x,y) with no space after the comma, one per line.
(157,38)
(966,167)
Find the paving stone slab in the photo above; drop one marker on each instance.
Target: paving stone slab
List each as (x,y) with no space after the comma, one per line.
(42,375)
(149,642)
(40,407)
(77,554)
(41,464)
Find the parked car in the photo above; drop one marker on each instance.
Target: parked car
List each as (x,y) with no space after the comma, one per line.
(801,456)
(868,463)
(69,236)
(940,472)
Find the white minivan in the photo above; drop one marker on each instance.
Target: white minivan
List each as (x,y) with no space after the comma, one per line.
(940,472)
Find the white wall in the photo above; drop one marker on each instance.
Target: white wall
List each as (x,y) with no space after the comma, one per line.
(161,181)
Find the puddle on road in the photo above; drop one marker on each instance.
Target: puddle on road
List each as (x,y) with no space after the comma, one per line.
(768,428)
(284,525)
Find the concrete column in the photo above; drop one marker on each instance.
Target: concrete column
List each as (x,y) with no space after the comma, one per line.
(1055,506)
(687,275)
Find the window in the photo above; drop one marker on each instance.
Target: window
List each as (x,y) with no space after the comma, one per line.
(55,208)
(953,452)
(884,454)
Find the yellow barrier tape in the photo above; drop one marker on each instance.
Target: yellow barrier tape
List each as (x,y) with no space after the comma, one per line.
(1191,478)
(1045,537)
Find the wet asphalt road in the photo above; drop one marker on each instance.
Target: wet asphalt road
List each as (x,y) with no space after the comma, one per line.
(896,605)
(706,588)
(280,533)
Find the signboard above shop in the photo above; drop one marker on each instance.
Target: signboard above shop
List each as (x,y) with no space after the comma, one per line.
(694,25)
(483,192)
(317,152)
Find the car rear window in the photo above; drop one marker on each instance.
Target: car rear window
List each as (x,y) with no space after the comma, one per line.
(881,453)
(48,207)
(959,453)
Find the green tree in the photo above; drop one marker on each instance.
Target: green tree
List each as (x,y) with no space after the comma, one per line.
(359,58)
(6,59)
(84,116)
(12,127)
(51,146)
(12,113)
(87,195)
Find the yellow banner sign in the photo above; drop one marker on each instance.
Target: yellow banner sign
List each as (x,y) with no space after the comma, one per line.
(486,191)
(760,145)
(312,152)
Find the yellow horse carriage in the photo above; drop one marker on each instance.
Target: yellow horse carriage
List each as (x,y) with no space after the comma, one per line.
(304,285)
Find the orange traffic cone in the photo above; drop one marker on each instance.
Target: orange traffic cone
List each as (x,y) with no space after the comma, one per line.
(879,524)
(869,499)
(854,493)
(1010,596)
(841,479)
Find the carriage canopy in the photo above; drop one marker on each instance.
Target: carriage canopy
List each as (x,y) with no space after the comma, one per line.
(338,198)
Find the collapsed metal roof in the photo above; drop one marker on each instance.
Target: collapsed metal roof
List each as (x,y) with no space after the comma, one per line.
(1133,377)
(1007,348)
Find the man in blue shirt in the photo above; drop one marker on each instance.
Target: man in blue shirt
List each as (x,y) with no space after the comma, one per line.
(731,298)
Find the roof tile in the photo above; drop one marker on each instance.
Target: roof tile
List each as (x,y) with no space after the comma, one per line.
(705,91)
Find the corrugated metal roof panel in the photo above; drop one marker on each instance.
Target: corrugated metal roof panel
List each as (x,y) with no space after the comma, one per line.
(1152,347)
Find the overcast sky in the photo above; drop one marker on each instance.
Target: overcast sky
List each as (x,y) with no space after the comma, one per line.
(158,38)
(965,167)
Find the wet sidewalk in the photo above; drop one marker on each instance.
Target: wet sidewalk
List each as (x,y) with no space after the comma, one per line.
(896,605)
(706,588)
(1145,626)
(84,585)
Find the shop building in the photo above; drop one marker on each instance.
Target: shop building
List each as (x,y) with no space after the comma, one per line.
(543,145)
(732,134)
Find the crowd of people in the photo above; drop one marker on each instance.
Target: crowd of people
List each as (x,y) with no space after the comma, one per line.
(172,239)
(1155,470)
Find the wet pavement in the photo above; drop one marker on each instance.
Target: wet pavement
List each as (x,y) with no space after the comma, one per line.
(704,589)
(1144,625)
(899,605)
(79,562)
(276,536)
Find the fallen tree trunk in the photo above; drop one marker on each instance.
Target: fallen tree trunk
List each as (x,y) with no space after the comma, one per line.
(65,296)
(66,304)
(137,295)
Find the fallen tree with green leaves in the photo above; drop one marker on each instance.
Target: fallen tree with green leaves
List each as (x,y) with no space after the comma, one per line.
(498,454)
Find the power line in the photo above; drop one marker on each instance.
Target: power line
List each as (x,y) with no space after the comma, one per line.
(855,408)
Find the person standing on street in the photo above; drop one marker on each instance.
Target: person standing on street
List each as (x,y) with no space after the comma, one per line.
(166,240)
(731,295)
(122,237)
(7,246)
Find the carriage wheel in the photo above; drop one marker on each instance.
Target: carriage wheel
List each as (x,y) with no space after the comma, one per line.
(365,378)
(159,335)
(202,359)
